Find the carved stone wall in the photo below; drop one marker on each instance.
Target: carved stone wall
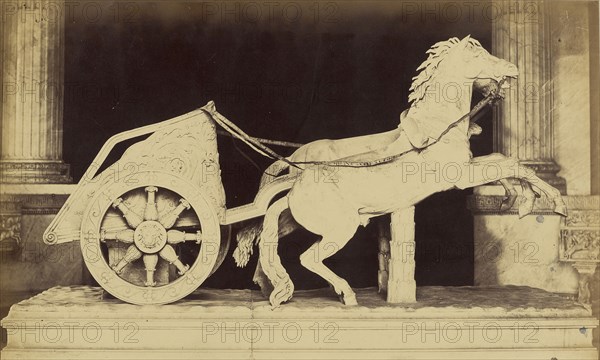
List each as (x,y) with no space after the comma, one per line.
(27,264)
(10,227)
(580,240)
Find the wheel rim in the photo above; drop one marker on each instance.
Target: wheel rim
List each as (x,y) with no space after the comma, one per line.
(151,235)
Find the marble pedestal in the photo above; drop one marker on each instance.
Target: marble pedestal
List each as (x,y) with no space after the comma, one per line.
(450,323)
(514,251)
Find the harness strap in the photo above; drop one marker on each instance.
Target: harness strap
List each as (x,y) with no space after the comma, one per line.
(249,140)
(258,146)
(356,164)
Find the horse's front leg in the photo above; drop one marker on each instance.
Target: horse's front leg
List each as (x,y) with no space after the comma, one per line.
(511,195)
(529,196)
(494,167)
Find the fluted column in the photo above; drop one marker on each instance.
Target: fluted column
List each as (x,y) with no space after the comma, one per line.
(524,124)
(32,92)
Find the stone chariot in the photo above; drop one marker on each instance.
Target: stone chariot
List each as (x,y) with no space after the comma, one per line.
(163,192)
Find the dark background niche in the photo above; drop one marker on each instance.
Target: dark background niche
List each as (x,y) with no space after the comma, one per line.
(335,70)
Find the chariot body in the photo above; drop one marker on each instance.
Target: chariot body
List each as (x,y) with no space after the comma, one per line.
(153,225)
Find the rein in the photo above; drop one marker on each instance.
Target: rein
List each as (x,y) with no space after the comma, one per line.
(257,144)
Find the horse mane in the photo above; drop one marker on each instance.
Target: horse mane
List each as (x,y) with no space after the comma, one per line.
(428,68)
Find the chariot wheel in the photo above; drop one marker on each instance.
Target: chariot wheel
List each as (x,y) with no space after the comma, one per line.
(151,241)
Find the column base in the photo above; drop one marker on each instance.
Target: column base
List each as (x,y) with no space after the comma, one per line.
(32,172)
(547,171)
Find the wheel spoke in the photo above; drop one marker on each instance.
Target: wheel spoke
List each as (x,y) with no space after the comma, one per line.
(131,254)
(168,253)
(176,237)
(124,236)
(131,217)
(168,220)
(150,261)
(151,211)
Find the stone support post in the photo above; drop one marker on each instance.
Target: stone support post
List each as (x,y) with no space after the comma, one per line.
(402,287)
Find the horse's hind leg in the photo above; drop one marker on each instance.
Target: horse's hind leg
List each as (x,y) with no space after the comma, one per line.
(312,259)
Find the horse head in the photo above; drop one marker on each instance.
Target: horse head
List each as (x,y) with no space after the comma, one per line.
(480,64)
(455,63)
(441,92)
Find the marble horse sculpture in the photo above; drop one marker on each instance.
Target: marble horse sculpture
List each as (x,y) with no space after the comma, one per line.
(329,150)
(435,157)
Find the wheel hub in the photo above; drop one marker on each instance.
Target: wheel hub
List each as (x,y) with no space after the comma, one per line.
(150,237)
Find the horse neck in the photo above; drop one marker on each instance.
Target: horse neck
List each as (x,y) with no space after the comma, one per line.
(448,97)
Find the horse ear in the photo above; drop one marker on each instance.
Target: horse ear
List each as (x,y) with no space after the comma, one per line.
(464,42)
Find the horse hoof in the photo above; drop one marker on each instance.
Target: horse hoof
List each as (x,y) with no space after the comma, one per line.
(349,299)
(525,208)
(274,303)
(508,203)
(523,213)
(277,301)
(265,285)
(561,209)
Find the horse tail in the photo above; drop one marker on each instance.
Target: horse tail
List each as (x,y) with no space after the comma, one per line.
(269,259)
(245,241)
(247,236)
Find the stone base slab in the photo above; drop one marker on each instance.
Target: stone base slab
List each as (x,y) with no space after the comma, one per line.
(449,323)
(308,354)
